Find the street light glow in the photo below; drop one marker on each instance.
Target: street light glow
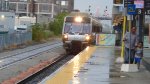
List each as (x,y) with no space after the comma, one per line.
(2,16)
(1,61)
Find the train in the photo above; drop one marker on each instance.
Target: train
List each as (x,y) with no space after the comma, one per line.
(79,31)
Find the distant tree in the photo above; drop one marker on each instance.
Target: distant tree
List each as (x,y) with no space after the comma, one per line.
(57,25)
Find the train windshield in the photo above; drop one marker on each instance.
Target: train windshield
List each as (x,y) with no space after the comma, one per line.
(81,28)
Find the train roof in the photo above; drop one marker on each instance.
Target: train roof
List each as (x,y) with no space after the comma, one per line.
(82,14)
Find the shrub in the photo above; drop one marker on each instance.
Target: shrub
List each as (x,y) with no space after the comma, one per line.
(37,32)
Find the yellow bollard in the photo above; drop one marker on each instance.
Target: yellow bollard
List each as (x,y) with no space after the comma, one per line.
(121,58)
(124,28)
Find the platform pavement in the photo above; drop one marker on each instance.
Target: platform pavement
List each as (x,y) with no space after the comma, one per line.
(99,68)
(140,77)
(146,58)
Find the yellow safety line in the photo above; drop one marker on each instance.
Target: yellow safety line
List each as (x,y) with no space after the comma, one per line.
(124,28)
(67,73)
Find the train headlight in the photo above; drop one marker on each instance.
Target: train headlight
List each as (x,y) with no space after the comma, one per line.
(87,38)
(78,19)
(65,36)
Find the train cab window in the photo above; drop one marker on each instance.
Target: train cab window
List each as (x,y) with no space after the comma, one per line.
(76,28)
(81,28)
(67,27)
(69,19)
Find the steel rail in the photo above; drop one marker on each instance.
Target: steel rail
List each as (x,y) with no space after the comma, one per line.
(8,61)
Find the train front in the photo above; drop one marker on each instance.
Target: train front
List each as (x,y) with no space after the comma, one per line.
(76,33)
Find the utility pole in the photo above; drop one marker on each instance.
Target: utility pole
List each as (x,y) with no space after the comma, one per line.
(140,27)
(90,10)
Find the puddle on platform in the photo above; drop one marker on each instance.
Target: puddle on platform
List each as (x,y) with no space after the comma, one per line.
(118,75)
(83,70)
(92,63)
(93,56)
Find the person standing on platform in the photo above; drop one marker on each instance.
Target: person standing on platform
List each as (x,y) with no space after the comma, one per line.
(130,41)
(138,54)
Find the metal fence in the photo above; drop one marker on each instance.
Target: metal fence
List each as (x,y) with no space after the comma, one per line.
(18,38)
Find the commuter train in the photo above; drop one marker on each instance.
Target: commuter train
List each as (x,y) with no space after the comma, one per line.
(79,31)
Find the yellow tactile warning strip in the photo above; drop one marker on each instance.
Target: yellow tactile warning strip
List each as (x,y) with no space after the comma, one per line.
(67,72)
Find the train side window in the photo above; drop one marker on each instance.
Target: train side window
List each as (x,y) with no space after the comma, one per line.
(86,28)
(96,29)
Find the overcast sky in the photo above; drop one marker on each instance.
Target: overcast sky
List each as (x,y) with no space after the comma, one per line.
(96,5)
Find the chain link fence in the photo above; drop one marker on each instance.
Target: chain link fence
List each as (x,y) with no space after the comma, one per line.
(14,39)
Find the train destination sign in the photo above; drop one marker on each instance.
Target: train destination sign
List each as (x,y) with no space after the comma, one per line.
(147,7)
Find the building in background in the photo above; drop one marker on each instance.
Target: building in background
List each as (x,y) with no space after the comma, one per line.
(7,22)
(65,5)
(43,10)
(4,5)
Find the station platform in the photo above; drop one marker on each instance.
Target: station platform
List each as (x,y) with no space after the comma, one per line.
(146,59)
(96,65)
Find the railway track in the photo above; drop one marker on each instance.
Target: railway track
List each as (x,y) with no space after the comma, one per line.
(12,59)
(29,49)
(38,76)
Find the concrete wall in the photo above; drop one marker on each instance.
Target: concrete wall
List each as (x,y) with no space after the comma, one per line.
(7,21)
